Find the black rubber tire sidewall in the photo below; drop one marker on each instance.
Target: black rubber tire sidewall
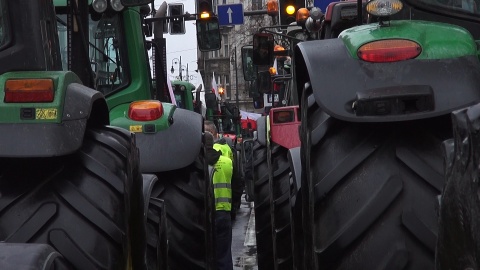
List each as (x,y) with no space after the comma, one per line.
(80,204)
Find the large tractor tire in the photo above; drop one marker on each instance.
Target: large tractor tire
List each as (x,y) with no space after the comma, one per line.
(296,208)
(156,226)
(261,202)
(458,245)
(87,205)
(371,191)
(238,185)
(272,207)
(183,192)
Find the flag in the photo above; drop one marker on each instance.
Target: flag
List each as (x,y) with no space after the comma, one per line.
(215,90)
(170,90)
(275,66)
(214,86)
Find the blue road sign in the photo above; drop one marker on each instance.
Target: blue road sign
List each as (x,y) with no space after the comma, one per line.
(322,4)
(230,14)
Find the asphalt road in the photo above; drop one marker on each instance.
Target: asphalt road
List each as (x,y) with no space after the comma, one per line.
(244,248)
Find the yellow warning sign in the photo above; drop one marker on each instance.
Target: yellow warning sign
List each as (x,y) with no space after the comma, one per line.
(136,128)
(46,113)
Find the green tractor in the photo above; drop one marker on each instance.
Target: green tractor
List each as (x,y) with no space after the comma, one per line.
(71,155)
(375,107)
(183,92)
(169,138)
(71,184)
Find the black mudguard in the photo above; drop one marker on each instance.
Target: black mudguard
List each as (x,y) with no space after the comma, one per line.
(339,80)
(149,181)
(262,130)
(47,139)
(173,148)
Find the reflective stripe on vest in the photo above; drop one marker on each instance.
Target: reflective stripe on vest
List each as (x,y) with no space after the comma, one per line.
(222,188)
(222,185)
(220,200)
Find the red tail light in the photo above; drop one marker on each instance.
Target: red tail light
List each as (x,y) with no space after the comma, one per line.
(29,90)
(389,50)
(147,110)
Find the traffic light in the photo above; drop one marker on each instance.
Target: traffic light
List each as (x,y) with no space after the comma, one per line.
(177,25)
(288,10)
(211,101)
(204,8)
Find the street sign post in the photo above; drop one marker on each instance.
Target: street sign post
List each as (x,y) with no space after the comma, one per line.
(231,14)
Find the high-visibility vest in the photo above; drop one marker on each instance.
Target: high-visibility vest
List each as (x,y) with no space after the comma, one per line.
(225,149)
(222,184)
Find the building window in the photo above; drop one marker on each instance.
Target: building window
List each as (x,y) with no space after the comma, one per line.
(214,54)
(225,45)
(215,6)
(227,86)
(257,4)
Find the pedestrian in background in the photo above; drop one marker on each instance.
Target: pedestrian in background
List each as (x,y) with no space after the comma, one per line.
(226,146)
(222,177)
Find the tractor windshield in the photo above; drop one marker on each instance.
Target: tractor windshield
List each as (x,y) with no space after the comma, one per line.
(106,55)
(105,51)
(4,26)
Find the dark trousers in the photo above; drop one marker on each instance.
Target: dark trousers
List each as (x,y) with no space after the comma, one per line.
(223,236)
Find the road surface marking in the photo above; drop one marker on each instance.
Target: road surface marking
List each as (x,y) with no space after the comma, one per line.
(250,239)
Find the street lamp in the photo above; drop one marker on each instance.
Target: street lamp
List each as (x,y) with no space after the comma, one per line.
(179,61)
(233,61)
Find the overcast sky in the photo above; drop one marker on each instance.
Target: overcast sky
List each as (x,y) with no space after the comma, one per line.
(184,46)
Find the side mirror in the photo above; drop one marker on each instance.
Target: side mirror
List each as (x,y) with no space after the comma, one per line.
(264,82)
(262,49)
(249,69)
(208,34)
(135,3)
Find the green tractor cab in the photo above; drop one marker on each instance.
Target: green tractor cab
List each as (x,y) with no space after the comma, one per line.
(71,186)
(183,92)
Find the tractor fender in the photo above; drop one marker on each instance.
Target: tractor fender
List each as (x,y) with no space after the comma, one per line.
(172,148)
(149,181)
(30,256)
(262,130)
(387,92)
(82,106)
(295,166)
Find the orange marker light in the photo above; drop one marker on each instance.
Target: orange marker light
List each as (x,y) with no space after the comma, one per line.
(273,71)
(302,15)
(29,90)
(272,7)
(146,110)
(278,48)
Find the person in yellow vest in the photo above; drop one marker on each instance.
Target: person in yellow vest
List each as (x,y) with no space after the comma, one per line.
(222,188)
(225,145)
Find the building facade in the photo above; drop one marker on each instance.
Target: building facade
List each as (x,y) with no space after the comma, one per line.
(223,63)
